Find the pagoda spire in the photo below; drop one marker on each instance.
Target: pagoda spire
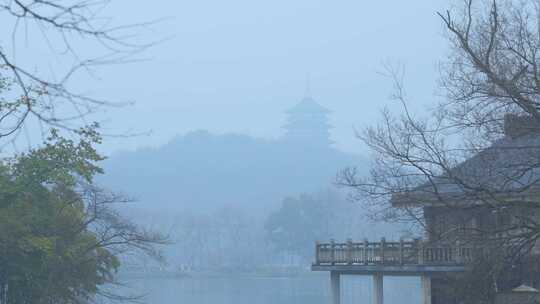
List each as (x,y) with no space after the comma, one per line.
(307,93)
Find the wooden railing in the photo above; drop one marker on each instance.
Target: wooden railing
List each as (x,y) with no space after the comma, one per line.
(414,252)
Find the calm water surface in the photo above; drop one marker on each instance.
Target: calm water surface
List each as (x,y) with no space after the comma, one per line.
(310,289)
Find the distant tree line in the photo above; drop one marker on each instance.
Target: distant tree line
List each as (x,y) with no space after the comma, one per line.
(233,239)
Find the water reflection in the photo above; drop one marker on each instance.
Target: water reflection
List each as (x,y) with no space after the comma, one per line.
(310,288)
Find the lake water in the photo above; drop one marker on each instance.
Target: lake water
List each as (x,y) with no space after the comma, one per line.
(310,289)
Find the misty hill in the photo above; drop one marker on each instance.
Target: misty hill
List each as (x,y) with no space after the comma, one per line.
(203,172)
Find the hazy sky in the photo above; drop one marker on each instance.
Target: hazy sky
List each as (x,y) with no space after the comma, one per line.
(235,66)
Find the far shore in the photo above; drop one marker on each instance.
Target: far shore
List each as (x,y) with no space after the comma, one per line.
(261,273)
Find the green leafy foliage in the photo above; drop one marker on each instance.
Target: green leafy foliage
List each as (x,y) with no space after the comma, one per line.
(48,253)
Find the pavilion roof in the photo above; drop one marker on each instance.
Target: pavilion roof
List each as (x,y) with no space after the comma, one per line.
(509,169)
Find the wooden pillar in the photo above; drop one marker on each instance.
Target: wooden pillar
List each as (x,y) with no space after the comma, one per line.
(335,287)
(426,289)
(378,288)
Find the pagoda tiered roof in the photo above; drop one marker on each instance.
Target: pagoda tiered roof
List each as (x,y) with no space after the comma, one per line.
(308,106)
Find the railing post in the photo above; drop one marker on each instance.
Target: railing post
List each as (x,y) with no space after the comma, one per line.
(366,246)
(400,251)
(422,253)
(383,244)
(349,251)
(420,248)
(332,251)
(459,254)
(317,253)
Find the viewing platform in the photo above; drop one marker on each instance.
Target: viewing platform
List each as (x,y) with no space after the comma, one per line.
(403,258)
(395,258)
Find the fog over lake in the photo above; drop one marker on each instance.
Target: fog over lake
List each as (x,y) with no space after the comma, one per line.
(312,289)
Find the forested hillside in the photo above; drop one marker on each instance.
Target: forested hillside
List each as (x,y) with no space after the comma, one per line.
(204,172)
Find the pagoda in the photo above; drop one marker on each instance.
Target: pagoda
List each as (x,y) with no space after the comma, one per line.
(307,124)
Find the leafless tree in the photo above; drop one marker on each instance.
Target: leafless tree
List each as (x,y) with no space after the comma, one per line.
(493,67)
(69,28)
(475,155)
(116,234)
